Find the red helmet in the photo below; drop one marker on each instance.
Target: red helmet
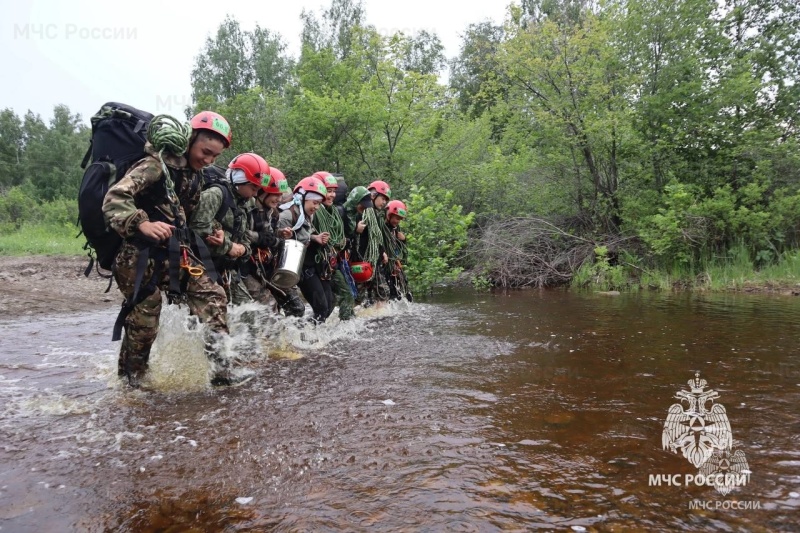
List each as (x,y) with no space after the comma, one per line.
(396,207)
(277,182)
(320,174)
(361,271)
(328,179)
(381,187)
(208,120)
(311,184)
(255,168)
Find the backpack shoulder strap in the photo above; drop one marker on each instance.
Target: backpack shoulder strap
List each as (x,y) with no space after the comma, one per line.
(87,156)
(227,204)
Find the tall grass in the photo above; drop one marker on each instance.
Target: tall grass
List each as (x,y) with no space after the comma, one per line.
(41,239)
(729,272)
(786,270)
(734,271)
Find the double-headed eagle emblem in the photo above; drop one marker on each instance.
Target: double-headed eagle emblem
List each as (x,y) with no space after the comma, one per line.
(697,431)
(701,432)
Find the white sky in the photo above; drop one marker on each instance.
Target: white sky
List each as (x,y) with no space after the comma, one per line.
(83,53)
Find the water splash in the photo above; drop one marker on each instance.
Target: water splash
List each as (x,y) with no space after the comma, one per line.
(178,362)
(177,358)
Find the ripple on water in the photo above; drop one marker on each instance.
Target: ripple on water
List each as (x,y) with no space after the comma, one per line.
(408,417)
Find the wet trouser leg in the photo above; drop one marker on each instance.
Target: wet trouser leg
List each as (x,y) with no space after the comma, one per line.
(141,329)
(378,287)
(141,324)
(317,293)
(290,302)
(344,298)
(398,284)
(206,299)
(256,288)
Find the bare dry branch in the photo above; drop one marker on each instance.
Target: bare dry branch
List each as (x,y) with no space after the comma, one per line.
(524,252)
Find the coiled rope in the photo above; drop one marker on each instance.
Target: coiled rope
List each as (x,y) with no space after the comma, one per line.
(395,248)
(375,236)
(331,222)
(166,133)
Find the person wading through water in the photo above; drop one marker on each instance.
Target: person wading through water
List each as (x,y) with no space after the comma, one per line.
(148,207)
(363,228)
(267,242)
(225,204)
(328,219)
(299,217)
(394,242)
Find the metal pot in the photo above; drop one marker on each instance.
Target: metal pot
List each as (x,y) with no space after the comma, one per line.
(290,264)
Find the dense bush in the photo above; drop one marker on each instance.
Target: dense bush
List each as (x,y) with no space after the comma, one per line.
(563,113)
(436,233)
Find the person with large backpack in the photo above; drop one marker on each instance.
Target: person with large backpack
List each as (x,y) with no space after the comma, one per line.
(148,208)
(225,202)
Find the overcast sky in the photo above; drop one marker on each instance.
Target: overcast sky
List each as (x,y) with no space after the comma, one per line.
(83,53)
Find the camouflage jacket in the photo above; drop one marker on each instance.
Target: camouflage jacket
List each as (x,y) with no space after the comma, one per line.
(264,229)
(203,220)
(141,194)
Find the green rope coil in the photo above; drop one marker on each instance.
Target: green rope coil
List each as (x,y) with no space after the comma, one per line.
(331,222)
(395,248)
(374,234)
(166,133)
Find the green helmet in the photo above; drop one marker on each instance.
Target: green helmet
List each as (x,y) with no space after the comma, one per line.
(356,196)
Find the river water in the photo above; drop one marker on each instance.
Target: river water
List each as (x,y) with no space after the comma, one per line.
(470,412)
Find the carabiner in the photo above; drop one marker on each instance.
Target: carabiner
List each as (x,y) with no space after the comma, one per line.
(193,271)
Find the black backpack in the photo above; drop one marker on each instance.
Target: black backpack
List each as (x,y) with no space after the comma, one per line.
(341,190)
(118,138)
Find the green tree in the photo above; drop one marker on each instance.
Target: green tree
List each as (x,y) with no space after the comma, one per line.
(436,235)
(235,61)
(665,49)
(223,69)
(363,114)
(11,149)
(568,95)
(52,156)
(474,72)
(335,29)
(271,65)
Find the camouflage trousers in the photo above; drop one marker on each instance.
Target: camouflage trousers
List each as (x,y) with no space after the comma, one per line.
(236,289)
(344,298)
(205,299)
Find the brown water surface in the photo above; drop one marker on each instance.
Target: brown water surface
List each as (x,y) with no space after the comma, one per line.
(473,412)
